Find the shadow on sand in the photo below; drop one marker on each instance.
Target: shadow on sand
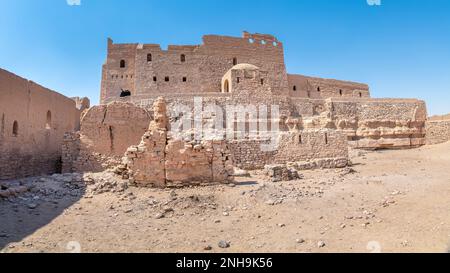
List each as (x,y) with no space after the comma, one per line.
(22,215)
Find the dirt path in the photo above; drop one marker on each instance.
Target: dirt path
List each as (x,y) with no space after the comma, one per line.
(396,201)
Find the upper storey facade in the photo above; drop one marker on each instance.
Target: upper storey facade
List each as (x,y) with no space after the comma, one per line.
(146,70)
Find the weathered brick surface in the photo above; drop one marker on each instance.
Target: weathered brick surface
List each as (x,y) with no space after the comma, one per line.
(438,131)
(42,116)
(106,133)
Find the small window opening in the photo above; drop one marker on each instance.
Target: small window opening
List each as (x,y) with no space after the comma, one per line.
(238,80)
(300,141)
(166,79)
(262,81)
(251,41)
(155,79)
(360,94)
(294,88)
(183,58)
(184,79)
(15,129)
(122,64)
(340,92)
(318,89)
(226,86)
(309,94)
(326,138)
(48,123)
(149,57)
(234,61)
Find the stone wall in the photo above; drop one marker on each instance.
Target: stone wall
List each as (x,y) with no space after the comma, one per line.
(438,130)
(106,133)
(149,70)
(159,161)
(319,88)
(380,123)
(295,146)
(33,120)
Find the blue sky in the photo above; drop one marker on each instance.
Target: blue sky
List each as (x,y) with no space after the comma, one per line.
(401,48)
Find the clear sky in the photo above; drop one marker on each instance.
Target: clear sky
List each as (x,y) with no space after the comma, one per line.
(400,48)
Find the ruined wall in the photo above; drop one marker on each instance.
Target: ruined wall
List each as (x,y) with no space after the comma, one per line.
(322,148)
(380,123)
(160,161)
(319,88)
(151,71)
(438,130)
(106,133)
(33,120)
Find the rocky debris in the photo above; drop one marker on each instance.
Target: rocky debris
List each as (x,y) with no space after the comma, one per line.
(207,248)
(159,216)
(224,244)
(300,241)
(281,172)
(106,182)
(7,191)
(321,244)
(32,205)
(241,173)
(346,171)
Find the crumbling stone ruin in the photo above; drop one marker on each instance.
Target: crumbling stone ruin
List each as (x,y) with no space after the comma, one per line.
(251,69)
(161,161)
(159,109)
(438,129)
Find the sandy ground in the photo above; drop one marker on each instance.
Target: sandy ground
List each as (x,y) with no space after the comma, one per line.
(395,201)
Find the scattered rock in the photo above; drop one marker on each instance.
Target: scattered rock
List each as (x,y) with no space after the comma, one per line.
(281,172)
(32,206)
(300,241)
(321,244)
(241,173)
(207,248)
(224,244)
(159,216)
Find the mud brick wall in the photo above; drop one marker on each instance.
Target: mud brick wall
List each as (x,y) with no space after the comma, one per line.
(106,133)
(33,121)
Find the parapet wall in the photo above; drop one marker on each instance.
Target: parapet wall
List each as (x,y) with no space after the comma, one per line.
(319,88)
(33,120)
(146,69)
